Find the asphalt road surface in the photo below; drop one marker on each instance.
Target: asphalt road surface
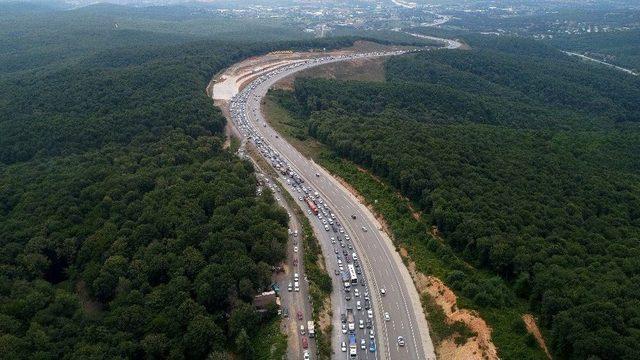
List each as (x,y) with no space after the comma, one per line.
(381,266)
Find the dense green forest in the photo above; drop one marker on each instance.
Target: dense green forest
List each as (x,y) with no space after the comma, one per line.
(525,159)
(126,230)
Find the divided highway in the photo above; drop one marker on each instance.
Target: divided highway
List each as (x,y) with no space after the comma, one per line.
(397,328)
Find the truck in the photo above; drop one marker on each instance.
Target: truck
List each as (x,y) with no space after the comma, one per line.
(353,347)
(351,320)
(346,280)
(312,206)
(311,329)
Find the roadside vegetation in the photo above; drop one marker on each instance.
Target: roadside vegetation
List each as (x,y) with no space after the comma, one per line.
(523,160)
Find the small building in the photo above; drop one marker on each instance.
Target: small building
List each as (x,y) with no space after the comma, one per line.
(262,301)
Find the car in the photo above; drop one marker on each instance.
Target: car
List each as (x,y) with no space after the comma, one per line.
(358,305)
(305,343)
(366,295)
(367,304)
(358,271)
(317,175)
(341,231)
(336,271)
(295,233)
(299,314)
(353,216)
(364,229)
(363,344)
(290,287)
(347,297)
(383,292)
(356,293)
(361,324)
(335,250)
(372,346)
(295,249)
(341,244)
(302,331)
(370,314)
(326,227)
(372,335)
(343,318)
(343,346)
(400,341)
(369,324)
(306,355)
(333,240)
(347,237)
(344,328)
(386,316)
(300,198)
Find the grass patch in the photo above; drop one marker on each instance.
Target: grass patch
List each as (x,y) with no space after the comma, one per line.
(270,343)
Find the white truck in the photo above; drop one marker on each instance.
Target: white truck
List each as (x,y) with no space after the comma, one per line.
(311,329)
(351,323)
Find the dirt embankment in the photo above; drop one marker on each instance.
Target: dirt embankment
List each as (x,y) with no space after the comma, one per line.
(532,328)
(477,347)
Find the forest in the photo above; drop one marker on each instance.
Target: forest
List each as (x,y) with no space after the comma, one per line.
(126,229)
(525,160)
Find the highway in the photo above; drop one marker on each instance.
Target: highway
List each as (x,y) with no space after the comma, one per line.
(380,266)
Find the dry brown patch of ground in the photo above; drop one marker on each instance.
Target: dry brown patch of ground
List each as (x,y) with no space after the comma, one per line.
(371,69)
(532,328)
(89,307)
(324,319)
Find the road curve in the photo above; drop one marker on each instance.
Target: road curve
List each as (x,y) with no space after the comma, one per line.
(382,265)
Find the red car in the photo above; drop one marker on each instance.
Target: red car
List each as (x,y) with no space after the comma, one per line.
(305,343)
(299,314)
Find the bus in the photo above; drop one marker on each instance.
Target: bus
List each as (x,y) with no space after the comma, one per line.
(352,274)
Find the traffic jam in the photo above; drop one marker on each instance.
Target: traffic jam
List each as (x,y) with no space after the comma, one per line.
(357,325)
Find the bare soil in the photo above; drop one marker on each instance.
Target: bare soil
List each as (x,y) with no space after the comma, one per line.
(532,328)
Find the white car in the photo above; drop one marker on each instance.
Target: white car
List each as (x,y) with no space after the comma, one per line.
(400,341)
(361,324)
(372,335)
(370,314)
(344,328)
(343,347)
(306,355)
(295,249)
(364,229)
(383,292)
(363,344)
(386,316)
(356,293)
(358,305)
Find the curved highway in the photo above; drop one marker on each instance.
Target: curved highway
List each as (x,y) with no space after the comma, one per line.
(397,328)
